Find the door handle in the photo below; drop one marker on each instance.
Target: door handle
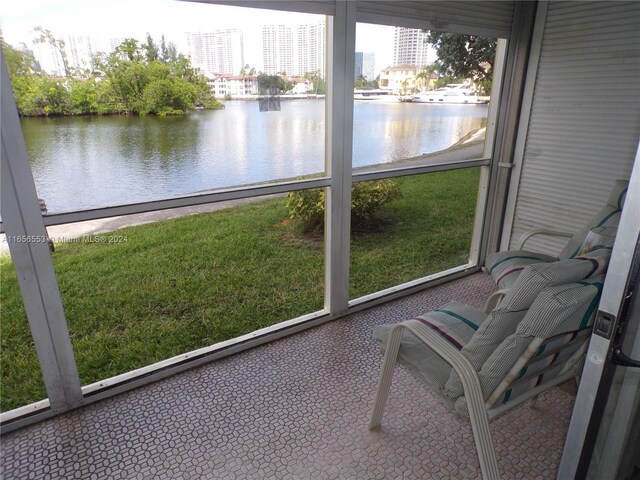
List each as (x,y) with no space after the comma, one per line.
(620,358)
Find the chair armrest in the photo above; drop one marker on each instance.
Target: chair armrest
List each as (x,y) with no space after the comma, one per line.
(448,352)
(494,299)
(542,231)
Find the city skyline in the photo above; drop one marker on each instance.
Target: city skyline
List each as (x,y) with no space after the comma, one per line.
(120,19)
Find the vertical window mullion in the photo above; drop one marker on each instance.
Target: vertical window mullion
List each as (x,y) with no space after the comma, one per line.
(29,249)
(480,226)
(340,67)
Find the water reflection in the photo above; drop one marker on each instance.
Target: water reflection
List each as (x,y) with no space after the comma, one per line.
(390,132)
(83,162)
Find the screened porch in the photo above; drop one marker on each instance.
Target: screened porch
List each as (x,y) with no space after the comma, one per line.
(292,398)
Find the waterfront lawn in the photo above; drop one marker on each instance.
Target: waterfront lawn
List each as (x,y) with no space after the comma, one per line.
(182,284)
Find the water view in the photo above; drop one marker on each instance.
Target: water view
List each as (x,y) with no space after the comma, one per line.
(86,162)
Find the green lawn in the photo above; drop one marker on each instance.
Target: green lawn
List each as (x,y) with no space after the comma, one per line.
(182,284)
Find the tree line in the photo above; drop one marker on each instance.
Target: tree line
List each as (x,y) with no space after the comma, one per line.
(136,78)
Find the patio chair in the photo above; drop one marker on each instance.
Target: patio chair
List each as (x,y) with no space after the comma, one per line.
(504,267)
(482,365)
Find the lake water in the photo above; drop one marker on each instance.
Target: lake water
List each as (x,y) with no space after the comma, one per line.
(85,162)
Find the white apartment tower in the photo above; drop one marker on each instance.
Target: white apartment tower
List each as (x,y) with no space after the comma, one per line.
(278,49)
(221,51)
(295,50)
(49,59)
(410,47)
(79,51)
(311,48)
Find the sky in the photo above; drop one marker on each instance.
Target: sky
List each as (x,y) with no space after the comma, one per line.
(103,20)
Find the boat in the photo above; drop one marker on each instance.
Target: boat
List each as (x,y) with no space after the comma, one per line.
(451,94)
(371,94)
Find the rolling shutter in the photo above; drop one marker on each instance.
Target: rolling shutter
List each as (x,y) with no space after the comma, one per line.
(489,18)
(584,124)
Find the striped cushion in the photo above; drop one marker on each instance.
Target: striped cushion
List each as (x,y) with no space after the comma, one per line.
(609,215)
(599,260)
(565,308)
(455,321)
(504,267)
(504,319)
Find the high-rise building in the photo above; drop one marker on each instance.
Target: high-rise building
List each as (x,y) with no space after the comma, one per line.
(277,49)
(311,48)
(49,58)
(365,65)
(79,51)
(295,50)
(410,47)
(221,51)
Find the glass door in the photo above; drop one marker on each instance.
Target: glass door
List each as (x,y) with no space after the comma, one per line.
(602,441)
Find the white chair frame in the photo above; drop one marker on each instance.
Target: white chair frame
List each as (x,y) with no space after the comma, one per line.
(481,411)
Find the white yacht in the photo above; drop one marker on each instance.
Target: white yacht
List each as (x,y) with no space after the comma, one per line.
(452,93)
(372,94)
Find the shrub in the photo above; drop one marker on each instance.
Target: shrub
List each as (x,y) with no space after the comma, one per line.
(367,198)
(308,207)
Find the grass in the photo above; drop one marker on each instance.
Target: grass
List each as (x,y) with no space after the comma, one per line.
(428,230)
(182,284)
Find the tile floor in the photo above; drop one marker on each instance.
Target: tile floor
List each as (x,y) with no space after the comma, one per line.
(296,408)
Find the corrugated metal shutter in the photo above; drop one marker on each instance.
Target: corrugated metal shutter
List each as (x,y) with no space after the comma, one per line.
(585,118)
(491,18)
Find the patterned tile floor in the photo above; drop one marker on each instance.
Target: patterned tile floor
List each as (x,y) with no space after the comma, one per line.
(296,408)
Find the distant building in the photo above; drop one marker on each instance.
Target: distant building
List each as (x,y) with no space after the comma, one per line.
(223,84)
(311,48)
(300,85)
(411,48)
(221,51)
(294,50)
(48,58)
(365,65)
(277,49)
(400,79)
(235,85)
(79,51)
(369,66)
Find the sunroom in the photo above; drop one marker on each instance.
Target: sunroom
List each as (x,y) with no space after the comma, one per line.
(282,382)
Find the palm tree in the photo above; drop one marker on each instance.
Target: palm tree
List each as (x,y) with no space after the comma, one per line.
(425,74)
(404,85)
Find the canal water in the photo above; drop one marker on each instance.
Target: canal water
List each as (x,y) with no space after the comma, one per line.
(86,162)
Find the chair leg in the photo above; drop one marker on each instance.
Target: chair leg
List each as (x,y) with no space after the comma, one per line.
(532,402)
(386,375)
(484,444)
